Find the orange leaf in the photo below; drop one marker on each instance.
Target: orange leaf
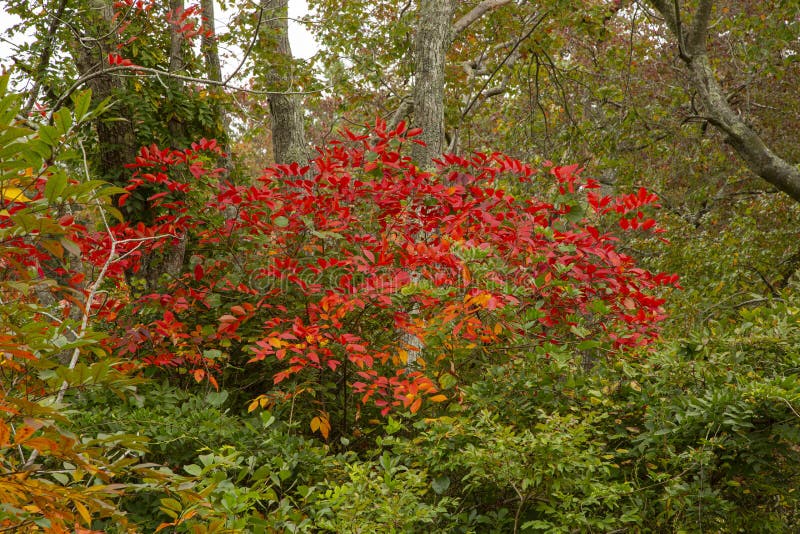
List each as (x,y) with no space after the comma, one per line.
(199,374)
(162,526)
(23,433)
(415,406)
(42,444)
(322,424)
(213,381)
(5,434)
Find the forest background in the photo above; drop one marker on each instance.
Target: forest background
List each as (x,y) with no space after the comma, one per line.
(538,274)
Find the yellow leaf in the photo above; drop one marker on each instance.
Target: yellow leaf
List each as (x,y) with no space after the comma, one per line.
(253,405)
(87,518)
(465,275)
(438,398)
(14,194)
(403,355)
(322,424)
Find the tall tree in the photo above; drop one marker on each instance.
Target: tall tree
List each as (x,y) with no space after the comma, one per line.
(94,39)
(431,42)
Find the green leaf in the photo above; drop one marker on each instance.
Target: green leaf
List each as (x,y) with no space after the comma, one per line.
(588,344)
(55,186)
(440,484)
(194,470)
(71,247)
(81,102)
(63,120)
(212,354)
(50,135)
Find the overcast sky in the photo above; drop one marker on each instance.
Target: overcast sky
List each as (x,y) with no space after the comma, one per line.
(303,44)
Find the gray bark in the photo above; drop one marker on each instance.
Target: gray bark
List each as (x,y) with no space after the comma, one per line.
(210,50)
(116,139)
(175,39)
(177,62)
(288,129)
(431,42)
(738,134)
(208,43)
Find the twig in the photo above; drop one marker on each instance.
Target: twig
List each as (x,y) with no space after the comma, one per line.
(505,59)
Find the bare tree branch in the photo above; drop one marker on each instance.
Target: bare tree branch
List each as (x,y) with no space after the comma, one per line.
(474,14)
(44,57)
(696,40)
(136,69)
(509,59)
(738,134)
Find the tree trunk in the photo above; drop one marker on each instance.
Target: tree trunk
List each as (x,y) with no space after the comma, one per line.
(116,139)
(741,137)
(431,42)
(288,130)
(177,129)
(208,42)
(175,38)
(210,50)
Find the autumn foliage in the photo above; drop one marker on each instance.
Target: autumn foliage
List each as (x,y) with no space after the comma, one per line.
(359,276)
(321,274)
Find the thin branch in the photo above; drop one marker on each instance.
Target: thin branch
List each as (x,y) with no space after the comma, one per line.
(249,46)
(789,405)
(94,290)
(502,63)
(679,32)
(667,11)
(158,73)
(44,57)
